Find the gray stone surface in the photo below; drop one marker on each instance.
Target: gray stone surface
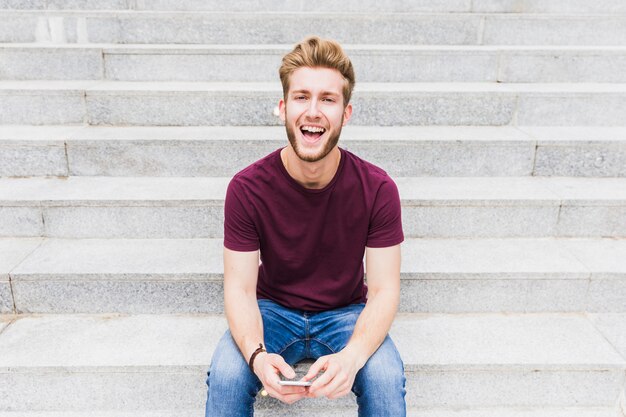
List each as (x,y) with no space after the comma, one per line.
(494,295)
(449,361)
(6,299)
(501,29)
(592,221)
(225,28)
(438,275)
(561,66)
(165,158)
(21,222)
(18,29)
(32,159)
(323,5)
(38,109)
(126,296)
(345,412)
(613,327)
(375,64)
(552,6)
(598,159)
(578,110)
(498,341)
(135,222)
(31,63)
(13,252)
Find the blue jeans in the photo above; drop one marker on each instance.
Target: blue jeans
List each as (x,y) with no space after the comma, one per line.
(296,335)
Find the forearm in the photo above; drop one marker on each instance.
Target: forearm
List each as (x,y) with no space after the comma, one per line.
(244,319)
(373,324)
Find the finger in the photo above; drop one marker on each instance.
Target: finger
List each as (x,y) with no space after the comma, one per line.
(323,380)
(284,368)
(336,384)
(288,398)
(319,365)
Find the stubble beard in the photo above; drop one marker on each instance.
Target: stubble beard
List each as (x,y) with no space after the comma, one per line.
(328,147)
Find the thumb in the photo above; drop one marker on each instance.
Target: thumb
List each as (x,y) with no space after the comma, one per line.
(285,369)
(316,368)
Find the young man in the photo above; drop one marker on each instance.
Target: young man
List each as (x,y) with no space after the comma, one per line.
(310,211)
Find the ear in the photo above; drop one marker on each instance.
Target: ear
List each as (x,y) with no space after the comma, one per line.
(347,112)
(281,109)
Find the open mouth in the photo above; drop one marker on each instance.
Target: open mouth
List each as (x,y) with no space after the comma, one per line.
(312,133)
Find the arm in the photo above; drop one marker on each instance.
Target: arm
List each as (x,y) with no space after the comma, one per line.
(372,326)
(246,324)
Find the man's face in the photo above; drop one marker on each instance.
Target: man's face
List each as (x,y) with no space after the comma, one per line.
(314,112)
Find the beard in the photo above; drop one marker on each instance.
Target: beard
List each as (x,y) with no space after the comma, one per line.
(331,142)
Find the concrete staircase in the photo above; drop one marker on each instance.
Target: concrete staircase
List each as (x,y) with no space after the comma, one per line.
(503,123)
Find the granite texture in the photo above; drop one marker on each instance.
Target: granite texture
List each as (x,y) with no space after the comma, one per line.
(191,67)
(24,159)
(377,65)
(603,109)
(558,30)
(119,296)
(322,5)
(159,158)
(425,221)
(447,158)
(21,222)
(135,222)
(191,109)
(553,6)
(18,29)
(562,67)
(494,295)
(613,327)
(50,64)
(40,108)
(592,159)
(607,295)
(13,252)
(530,388)
(592,221)
(432,108)
(6,299)
(279,28)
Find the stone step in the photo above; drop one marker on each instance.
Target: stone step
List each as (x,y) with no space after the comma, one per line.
(373,63)
(159,362)
(173,207)
(384,104)
(159,276)
(348,412)
(200,27)
(453,6)
(223,151)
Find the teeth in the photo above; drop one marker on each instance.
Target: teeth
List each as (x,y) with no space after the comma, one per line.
(313,129)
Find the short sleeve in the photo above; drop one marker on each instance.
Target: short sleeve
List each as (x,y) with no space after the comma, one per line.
(240,233)
(385,228)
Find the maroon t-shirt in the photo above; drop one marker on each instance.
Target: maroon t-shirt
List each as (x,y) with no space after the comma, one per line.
(312,242)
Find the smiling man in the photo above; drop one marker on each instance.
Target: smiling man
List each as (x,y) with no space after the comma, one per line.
(297,225)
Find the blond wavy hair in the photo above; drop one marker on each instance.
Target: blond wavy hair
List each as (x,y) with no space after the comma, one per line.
(316,52)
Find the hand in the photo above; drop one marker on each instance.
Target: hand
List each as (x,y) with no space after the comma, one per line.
(339,373)
(268,366)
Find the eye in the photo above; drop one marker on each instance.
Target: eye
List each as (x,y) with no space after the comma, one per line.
(300,98)
(328,99)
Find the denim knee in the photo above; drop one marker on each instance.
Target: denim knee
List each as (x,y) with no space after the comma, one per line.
(380,384)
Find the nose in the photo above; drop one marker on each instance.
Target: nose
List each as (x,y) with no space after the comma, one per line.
(312,110)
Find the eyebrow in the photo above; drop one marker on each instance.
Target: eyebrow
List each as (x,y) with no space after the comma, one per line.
(323,93)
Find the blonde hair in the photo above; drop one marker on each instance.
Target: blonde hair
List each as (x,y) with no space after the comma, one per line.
(316,52)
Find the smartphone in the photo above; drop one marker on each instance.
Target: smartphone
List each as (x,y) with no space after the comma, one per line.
(295,383)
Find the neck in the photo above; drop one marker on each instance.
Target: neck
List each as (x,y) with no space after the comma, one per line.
(313,175)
